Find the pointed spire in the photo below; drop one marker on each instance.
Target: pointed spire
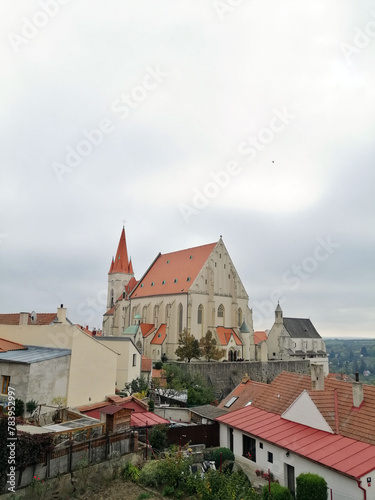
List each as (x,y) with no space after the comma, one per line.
(121,262)
(111,268)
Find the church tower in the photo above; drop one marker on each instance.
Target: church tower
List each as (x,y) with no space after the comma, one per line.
(120,272)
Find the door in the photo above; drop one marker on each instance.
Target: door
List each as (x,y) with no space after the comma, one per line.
(290,479)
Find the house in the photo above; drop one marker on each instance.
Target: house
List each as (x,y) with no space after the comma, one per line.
(137,409)
(261,440)
(128,362)
(25,369)
(300,423)
(205,414)
(93,364)
(295,338)
(197,289)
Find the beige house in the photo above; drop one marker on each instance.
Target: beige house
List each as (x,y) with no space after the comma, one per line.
(93,365)
(197,289)
(295,338)
(128,360)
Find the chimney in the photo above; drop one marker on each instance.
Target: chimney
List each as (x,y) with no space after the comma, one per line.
(24,318)
(317,377)
(61,314)
(357,392)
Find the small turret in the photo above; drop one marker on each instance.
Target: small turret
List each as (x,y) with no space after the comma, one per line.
(278,314)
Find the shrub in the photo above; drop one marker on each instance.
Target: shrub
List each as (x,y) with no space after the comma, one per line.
(158,365)
(227,459)
(149,474)
(157,437)
(311,487)
(278,492)
(31,406)
(173,470)
(168,491)
(131,473)
(19,407)
(151,405)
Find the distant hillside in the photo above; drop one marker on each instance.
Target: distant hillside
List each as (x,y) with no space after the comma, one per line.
(352,355)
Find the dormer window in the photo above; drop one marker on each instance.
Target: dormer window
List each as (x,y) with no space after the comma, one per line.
(188,279)
(152,284)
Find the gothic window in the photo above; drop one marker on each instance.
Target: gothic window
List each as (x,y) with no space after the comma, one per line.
(156,314)
(144,314)
(180,316)
(112,301)
(220,311)
(239,312)
(200,314)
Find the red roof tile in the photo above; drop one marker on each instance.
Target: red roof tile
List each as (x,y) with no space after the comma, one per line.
(41,319)
(259,337)
(146,364)
(174,272)
(147,418)
(8,345)
(225,334)
(146,329)
(343,454)
(160,335)
(244,392)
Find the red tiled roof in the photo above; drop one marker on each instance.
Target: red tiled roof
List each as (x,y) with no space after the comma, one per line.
(121,262)
(160,335)
(276,397)
(174,272)
(8,345)
(98,333)
(259,337)
(41,319)
(343,454)
(146,329)
(147,418)
(244,392)
(146,364)
(224,335)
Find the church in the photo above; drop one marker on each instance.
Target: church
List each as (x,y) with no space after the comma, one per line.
(195,289)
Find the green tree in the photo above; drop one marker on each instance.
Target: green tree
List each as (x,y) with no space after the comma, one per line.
(209,349)
(188,346)
(138,384)
(180,380)
(157,437)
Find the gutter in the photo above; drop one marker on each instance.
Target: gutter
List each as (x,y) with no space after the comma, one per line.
(359,482)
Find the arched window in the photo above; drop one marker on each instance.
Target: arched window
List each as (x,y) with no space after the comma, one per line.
(200,314)
(112,301)
(220,311)
(156,314)
(144,314)
(180,317)
(239,312)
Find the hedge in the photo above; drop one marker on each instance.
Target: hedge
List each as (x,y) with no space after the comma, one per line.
(278,492)
(311,487)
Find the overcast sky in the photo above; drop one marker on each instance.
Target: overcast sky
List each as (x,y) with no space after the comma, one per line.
(253,120)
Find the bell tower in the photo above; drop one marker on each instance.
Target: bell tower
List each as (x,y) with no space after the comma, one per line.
(120,272)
